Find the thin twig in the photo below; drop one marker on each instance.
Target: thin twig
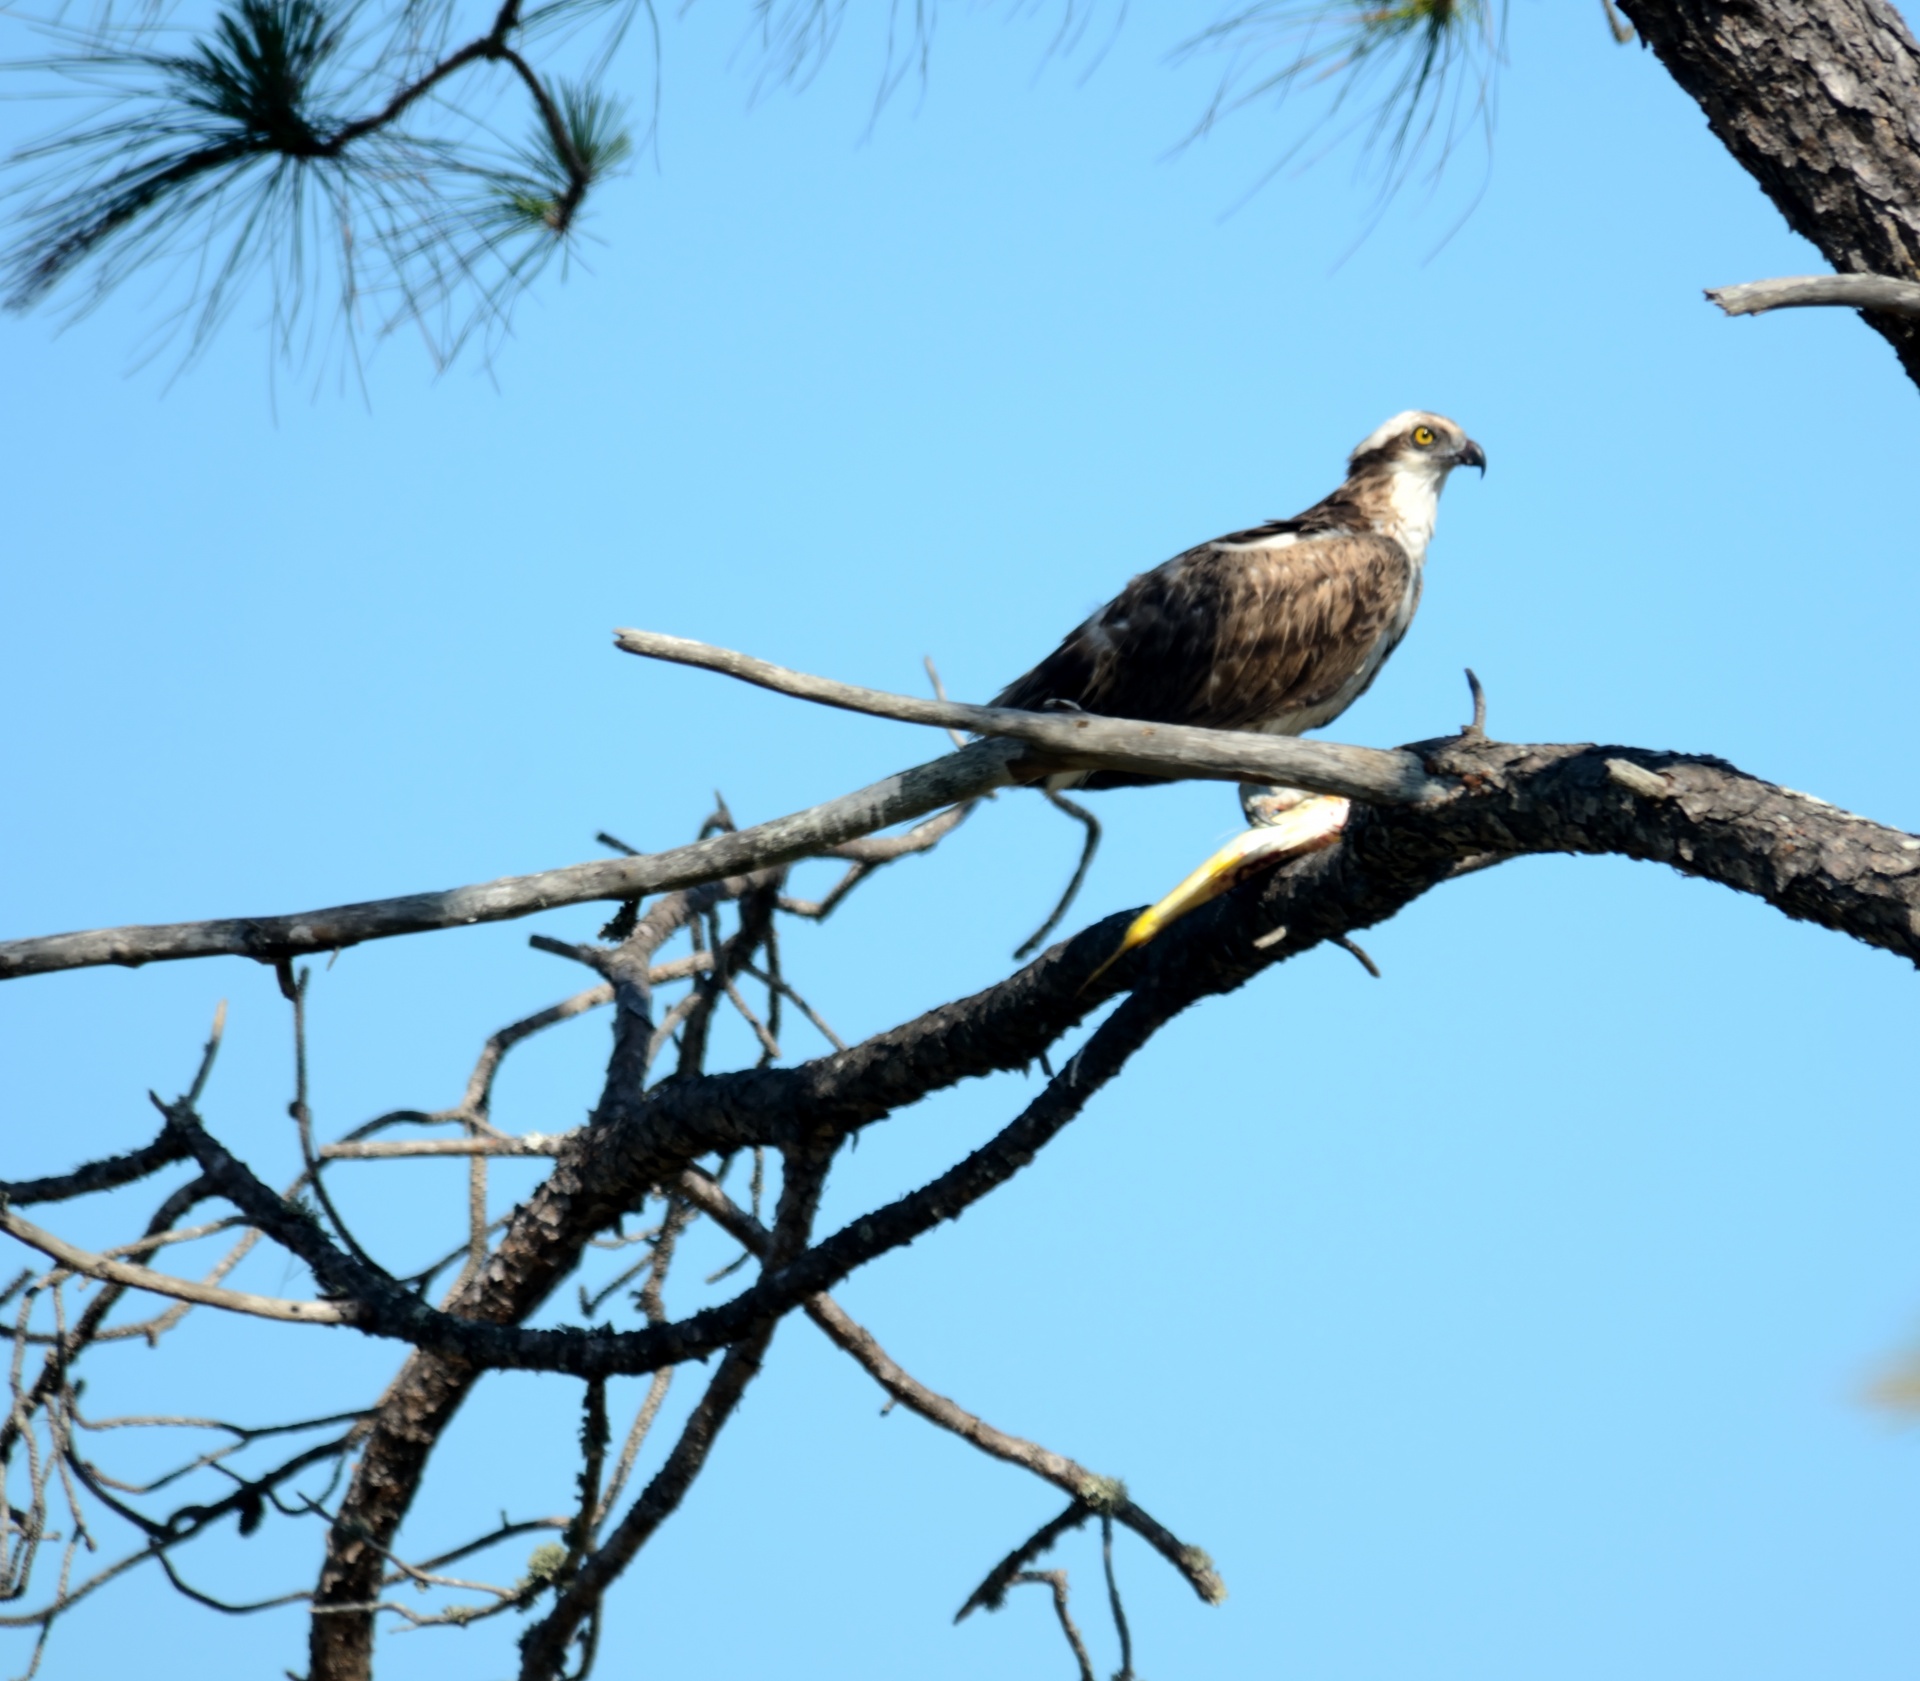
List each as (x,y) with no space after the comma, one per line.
(1358,952)
(477,1223)
(294,988)
(769,1046)
(1477,730)
(643,1419)
(593,1460)
(922,837)
(1057,1580)
(207,1054)
(940,693)
(1113,1599)
(1087,820)
(784,989)
(505,1532)
(477,1102)
(577,1602)
(818,910)
(163,1240)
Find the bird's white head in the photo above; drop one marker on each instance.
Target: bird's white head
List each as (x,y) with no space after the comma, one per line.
(1415,441)
(1401,466)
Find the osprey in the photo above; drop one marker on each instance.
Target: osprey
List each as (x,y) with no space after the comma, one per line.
(1277,629)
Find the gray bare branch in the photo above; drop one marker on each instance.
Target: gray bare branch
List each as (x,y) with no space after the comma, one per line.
(1812,291)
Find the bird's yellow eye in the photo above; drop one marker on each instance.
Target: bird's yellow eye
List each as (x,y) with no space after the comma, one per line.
(1423,435)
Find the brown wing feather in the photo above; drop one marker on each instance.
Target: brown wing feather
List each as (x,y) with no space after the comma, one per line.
(1228,637)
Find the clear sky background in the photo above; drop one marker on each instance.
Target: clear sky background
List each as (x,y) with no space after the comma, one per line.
(1506,1317)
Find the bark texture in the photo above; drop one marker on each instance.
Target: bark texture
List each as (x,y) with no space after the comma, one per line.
(1819,101)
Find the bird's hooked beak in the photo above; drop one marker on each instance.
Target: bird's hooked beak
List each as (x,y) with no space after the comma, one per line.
(1472,455)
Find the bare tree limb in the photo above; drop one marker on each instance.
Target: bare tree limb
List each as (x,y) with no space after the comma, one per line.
(386,1150)
(1361,773)
(1080,741)
(108,1174)
(1845,291)
(911,793)
(993,1587)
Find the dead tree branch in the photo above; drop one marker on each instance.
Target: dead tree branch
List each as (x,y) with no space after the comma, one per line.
(1082,741)
(1843,291)
(912,793)
(108,1174)
(992,1591)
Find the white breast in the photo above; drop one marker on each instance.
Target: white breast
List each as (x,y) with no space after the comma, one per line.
(1413,493)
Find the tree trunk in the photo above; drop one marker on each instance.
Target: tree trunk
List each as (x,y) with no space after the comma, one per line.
(1819,101)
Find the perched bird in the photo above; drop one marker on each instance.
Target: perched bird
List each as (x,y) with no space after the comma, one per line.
(1277,629)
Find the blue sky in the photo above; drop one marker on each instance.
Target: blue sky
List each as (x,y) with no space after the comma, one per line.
(1506,1316)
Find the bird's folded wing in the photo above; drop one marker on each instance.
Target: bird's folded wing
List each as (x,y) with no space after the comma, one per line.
(1229,636)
